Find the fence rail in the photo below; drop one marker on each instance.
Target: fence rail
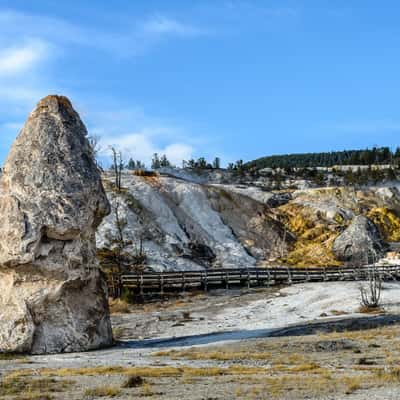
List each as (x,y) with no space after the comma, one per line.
(160,282)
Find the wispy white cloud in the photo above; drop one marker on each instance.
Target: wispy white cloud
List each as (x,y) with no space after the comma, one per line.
(130,39)
(19,59)
(30,44)
(162,25)
(142,145)
(15,24)
(176,152)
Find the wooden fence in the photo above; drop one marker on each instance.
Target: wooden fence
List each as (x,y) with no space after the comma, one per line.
(160,282)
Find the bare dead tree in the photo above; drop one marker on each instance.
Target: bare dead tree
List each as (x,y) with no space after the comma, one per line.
(118,165)
(119,224)
(139,257)
(119,241)
(124,258)
(95,148)
(282,244)
(371,294)
(94,142)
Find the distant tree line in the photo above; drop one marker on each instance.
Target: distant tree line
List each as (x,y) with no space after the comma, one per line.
(160,161)
(202,163)
(132,164)
(374,156)
(356,177)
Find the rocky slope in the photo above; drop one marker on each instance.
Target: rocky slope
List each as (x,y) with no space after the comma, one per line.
(183,221)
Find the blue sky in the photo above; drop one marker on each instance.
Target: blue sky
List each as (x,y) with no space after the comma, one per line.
(235,79)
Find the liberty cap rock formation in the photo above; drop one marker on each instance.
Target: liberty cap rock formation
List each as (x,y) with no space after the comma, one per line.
(52,294)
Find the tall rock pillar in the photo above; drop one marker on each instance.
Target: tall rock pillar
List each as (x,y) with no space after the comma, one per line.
(52,294)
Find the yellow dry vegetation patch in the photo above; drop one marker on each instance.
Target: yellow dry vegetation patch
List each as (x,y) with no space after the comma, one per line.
(145,372)
(103,391)
(153,181)
(387,221)
(213,355)
(19,385)
(118,306)
(314,239)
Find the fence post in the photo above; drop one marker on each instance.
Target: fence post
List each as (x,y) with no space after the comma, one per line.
(141,284)
(289,276)
(162,284)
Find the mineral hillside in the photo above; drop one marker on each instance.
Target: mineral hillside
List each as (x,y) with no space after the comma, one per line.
(184,219)
(52,294)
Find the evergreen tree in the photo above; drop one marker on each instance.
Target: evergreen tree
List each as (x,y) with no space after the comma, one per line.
(164,161)
(155,162)
(140,165)
(201,163)
(216,163)
(131,164)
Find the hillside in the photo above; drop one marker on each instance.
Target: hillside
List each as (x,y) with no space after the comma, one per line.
(178,223)
(376,155)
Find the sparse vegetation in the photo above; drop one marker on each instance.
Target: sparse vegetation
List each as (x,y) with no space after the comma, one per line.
(296,368)
(147,390)
(103,391)
(213,355)
(20,385)
(12,356)
(118,306)
(133,381)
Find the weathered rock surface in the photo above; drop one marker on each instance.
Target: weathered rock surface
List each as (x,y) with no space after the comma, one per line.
(361,241)
(187,223)
(52,295)
(177,223)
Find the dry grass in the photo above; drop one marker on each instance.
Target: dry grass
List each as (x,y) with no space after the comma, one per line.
(292,367)
(390,332)
(388,375)
(213,355)
(352,384)
(147,372)
(118,306)
(147,390)
(301,368)
(118,332)
(15,385)
(370,310)
(12,356)
(103,391)
(35,396)
(338,312)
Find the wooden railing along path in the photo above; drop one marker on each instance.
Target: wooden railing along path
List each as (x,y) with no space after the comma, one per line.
(159,282)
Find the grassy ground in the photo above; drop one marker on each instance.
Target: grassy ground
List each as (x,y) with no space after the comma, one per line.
(334,365)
